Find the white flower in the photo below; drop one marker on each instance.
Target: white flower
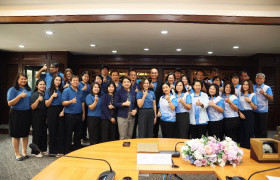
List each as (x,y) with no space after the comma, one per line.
(197,155)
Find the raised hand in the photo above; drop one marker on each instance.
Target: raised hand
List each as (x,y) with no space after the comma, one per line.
(211,103)
(227,100)
(247,99)
(85,87)
(55,94)
(23,94)
(167,98)
(181,100)
(96,98)
(66,85)
(198,103)
(261,91)
(74,100)
(113,120)
(110,106)
(45,67)
(40,98)
(151,85)
(145,93)
(127,103)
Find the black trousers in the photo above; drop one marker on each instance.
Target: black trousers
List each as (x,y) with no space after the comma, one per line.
(39,126)
(94,129)
(246,129)
(215,128)
(146,123)
(167,129)
(84,126)
(182,125)
(56,130)
(261,125)
(109,130)
(73,123)
(231,128)
(196,131)
(156,128)
(135,126)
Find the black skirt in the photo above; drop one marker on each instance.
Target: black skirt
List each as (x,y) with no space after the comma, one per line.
(20,122)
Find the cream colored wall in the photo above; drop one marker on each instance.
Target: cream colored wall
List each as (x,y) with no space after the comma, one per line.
(270,8)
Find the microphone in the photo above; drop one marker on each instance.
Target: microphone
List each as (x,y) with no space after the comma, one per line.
(108,175)
(173,153)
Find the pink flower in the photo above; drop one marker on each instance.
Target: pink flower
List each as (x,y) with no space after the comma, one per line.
(208,149)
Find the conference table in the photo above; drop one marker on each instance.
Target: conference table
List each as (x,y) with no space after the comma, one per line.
(123,161)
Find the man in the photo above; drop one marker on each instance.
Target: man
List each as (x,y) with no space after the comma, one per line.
(235,82)
(74,113)
(178,74)
(156,86)
(213,73)
(264,94)
(134,87)
(105,74)
(116,79)
(47,77)
(244,75)
(200,77)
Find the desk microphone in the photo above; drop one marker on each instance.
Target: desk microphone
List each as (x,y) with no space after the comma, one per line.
(173,153)
(108,175)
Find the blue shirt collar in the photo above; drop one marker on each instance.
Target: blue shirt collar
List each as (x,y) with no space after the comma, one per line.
(260,86)
(196,95)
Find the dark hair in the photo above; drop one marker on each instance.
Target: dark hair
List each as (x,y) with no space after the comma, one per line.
(232,89)
(85,72)
(75,76)
(115,71)
(60,87)
(234,76)
(215,70)
(187,78)
(37,82)
(184,89)
(142,83)
(131,70)
(104,66)
(199,70)
(99,93)
(154,68)
(125,77)
(217,90)
(65,71)
(250,90)
(109,84)
(16,85)
(94,78)
(217,77)
(55,64)
(167,85)
(177,70)
(170,74)
(243,71)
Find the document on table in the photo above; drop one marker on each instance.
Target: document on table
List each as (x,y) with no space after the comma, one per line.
(273,178)
(159,159)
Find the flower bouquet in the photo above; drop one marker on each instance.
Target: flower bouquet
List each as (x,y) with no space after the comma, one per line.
(210,151)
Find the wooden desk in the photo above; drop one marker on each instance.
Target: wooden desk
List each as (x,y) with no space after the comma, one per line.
(123,162)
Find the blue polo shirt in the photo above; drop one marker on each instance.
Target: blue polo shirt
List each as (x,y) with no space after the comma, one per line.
(57,100)
(23,103)
(243,105)
(155,85)
(97,110)
(67,95)
(166,113)
(213,114)
(85,92)
(262,101)
(148,102)
(47,77)
(119,87)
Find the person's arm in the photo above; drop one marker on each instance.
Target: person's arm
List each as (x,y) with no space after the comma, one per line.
(253,103)
(268,94)
(140,101)
(234,104)
(36,103)
(155,111)
(219,106)
(104,107)
(48,102)
(17,98)
(171,105)
(84,111)
(117,100)
(187,104)
(44,68)
(94,104)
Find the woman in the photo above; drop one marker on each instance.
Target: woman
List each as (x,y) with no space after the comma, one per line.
(182,111)
(125,101)
(93,101)
(198,115)
(146,101)
(231,117)
(187,85)
(85,87)
(109,114)
(39,116)
(215,112)
(54,116)
(68,73)
(166,111)
(18,98)
(217,80)
(247,103)
(171,80)
(99,79)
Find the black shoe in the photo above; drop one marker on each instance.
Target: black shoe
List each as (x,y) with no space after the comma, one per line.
(20,158)
(26,157)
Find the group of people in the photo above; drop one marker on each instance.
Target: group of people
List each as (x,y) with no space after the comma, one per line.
(112,107)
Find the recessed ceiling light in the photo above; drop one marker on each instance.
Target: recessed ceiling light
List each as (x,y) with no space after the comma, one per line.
(146,49)
(21,46)
(114,51)
(179,50)
(49,32)
(92,45)
(210,52)
(235,47)
(164,32)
